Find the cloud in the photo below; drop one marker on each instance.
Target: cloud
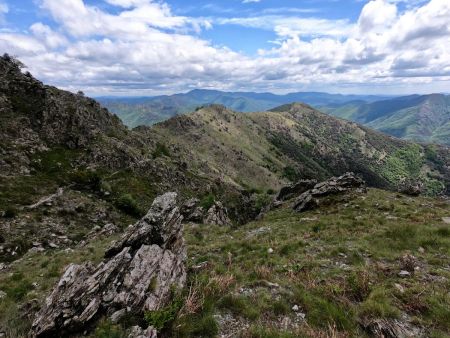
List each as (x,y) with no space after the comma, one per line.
(249,1)
(46,35)
(141,47)
(4,9)
(291,26)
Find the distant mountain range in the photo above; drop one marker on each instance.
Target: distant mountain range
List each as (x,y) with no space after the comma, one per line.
(136,111)
(422,118)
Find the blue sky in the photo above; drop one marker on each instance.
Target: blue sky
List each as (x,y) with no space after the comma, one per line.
(148,47)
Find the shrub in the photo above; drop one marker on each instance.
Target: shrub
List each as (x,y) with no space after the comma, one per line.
(106,329)
(290,173)
(163,318)
(128,204)
(87,180)
(160,150)
(207,201)
(10,213)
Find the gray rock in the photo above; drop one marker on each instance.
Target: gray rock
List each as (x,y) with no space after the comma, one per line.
(446,220)
(191,211)
(295,189)
(118,315)
(312,198)
(151,252)
(138,332)
(217,215)
(404,274)
(2,294)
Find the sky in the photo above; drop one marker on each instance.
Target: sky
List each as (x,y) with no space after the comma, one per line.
(152,47)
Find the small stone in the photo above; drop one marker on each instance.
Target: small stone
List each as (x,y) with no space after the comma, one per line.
(421,250)
(399,287)
(295,308)
(404,274)
(53,245)
(301,315)
(2,294)
(446,220)
(270,250)
(35,285)
(342,254)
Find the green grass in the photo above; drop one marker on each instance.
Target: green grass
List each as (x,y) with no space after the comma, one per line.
(338,264)
(368,234)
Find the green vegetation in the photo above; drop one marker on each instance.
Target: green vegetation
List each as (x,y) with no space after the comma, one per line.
(127,204)
(339,276)
(160,150)
(207,201)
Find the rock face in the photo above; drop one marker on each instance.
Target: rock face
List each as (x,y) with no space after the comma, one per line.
(136,276)
(312,198)
(217,215)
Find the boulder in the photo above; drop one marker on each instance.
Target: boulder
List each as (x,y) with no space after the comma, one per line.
(411,188)
(151,252)
(312,198)
(218,215)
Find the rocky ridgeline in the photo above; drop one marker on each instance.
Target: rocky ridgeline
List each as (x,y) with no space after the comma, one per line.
(137,275)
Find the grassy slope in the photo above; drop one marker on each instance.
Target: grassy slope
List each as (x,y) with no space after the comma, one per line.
(339,264)
(264,150)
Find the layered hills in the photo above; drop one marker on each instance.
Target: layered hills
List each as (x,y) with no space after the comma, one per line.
(422,118)
(149,110)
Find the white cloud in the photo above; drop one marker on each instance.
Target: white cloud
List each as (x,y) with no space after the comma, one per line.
(290,26)
(249,1)
(143,48)
(376,16)
(45,34)
(4,9)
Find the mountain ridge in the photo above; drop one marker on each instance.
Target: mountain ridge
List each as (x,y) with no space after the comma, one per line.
(146,111)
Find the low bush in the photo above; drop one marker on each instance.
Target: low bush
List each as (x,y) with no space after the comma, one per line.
(128,204)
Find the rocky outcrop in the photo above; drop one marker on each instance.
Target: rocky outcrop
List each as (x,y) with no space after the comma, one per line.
(313,198)
(136,275)
(411,188)
(192,212)
(295,189)
(217,214)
